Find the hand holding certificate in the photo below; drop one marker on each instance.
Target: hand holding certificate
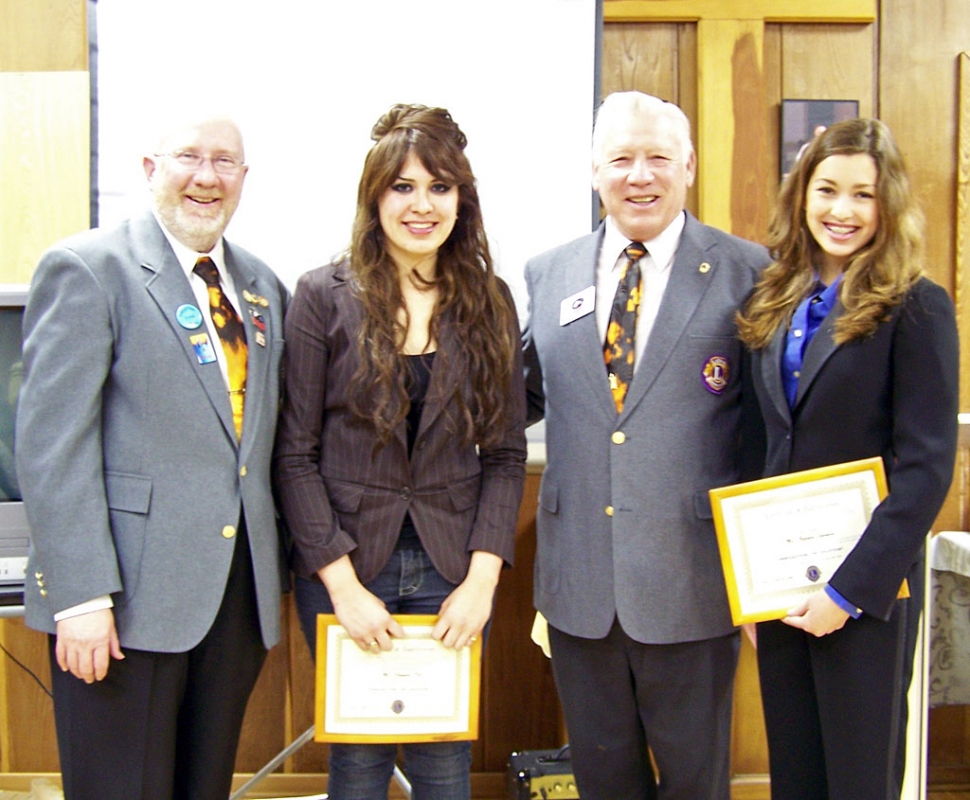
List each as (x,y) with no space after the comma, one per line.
(782,538)
(418,691)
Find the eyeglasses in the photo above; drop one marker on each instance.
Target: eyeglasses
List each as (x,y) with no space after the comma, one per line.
(189,161)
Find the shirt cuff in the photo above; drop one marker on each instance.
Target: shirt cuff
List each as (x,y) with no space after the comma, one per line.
(98,604)
(842,603)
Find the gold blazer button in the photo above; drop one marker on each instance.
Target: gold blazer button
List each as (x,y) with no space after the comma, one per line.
(618,437)
(228,532)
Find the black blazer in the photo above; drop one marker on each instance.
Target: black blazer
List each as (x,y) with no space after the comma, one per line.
(893,394)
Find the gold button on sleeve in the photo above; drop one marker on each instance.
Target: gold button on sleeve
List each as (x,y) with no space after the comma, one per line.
(618,437)
(228,532)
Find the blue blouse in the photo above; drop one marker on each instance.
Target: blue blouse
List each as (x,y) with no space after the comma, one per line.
(804,324)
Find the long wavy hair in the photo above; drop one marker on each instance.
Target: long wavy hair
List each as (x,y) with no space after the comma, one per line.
(875,278)
(470,297)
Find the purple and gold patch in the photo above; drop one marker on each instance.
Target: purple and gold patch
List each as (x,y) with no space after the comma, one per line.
(715,374)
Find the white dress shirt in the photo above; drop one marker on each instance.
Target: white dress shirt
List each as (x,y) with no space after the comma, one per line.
(187,258)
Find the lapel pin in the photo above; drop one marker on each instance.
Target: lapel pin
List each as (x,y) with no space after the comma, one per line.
(203,348)
(255,299)
(715,374)
(188,316)
(704,268)
(259,323)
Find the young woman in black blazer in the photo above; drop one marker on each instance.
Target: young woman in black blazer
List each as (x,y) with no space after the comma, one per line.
(855,355)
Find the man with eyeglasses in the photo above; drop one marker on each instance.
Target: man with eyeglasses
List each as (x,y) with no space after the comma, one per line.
(147,417)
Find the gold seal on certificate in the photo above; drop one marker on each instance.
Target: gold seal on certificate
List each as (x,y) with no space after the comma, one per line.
(417,692)
(782,538)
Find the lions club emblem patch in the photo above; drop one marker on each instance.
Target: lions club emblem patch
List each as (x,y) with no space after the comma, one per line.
(715,374)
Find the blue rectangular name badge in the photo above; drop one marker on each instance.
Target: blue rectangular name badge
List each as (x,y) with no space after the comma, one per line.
(203,348)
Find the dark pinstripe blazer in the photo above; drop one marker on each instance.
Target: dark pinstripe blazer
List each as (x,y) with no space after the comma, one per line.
(339,495)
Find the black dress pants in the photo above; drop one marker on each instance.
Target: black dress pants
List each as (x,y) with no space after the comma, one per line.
(164,726)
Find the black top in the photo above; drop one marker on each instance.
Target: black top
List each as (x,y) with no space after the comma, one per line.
(418,379)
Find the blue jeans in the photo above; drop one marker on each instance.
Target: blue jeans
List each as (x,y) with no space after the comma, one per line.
(409,584)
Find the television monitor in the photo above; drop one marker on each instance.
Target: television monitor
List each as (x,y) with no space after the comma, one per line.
(14,533)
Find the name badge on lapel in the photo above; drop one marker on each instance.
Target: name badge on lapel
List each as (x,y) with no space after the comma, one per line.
(577,305)
(203,348)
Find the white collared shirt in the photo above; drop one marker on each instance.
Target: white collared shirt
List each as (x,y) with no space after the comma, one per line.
(654,274)
(187,258)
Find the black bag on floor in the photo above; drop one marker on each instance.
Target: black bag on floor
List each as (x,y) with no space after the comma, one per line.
(541,775)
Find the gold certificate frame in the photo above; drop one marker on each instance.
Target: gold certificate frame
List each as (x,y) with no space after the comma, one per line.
(782,538)
(420,691)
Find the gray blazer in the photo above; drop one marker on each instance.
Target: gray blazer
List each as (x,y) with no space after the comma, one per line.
(131,474)
(624,521)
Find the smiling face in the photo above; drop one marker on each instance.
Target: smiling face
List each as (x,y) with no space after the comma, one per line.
(841,209)
(417,214)
(642,172)
(195,205)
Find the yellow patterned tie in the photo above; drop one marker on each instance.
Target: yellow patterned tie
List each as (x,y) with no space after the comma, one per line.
(233,335)
(618,350)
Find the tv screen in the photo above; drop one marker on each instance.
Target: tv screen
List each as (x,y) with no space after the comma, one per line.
(14,533)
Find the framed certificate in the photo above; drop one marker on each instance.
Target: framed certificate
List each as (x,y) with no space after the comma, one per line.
(419,691)
(782,538)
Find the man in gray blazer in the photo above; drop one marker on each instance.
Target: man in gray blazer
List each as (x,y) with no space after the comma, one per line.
(627,570)
(143,448)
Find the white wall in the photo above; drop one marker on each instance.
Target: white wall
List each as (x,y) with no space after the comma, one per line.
(306,80)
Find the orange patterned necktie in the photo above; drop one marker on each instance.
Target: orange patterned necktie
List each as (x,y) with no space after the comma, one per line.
(618,350)
(233,335)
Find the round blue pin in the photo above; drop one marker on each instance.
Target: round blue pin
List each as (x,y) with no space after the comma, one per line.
(188,316)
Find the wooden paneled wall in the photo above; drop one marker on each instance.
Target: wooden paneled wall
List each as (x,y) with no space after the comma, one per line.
(44,190)
(44,129)
(920,52)
(903,67)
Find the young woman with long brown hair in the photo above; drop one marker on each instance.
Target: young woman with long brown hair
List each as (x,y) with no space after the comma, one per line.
(855,355)
(401,451)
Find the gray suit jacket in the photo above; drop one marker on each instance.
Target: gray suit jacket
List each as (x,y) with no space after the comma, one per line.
(624,521)
(131,474)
